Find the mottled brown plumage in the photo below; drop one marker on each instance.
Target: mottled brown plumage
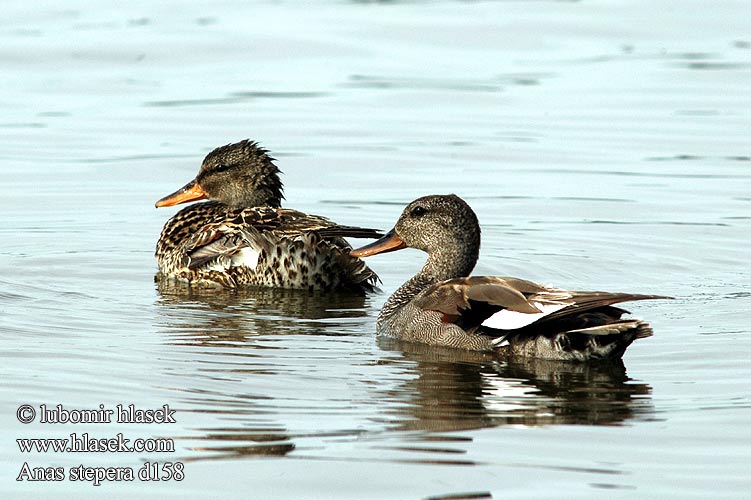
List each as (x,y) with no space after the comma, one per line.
(243,238)
(515,317)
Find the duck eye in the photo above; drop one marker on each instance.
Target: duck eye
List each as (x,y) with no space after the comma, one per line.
(221,167)
(418,211)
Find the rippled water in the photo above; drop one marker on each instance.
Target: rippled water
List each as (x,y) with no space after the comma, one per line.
(603,146)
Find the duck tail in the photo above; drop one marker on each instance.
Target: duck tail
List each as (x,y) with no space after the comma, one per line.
(610,341)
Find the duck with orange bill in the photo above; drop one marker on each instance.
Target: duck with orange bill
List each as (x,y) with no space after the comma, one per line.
(242,236)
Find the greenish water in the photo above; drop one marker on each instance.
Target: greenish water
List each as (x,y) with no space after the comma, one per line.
(603,146)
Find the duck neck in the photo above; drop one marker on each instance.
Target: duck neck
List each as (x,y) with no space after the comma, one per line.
(269,191)
(445,264)
(263,196)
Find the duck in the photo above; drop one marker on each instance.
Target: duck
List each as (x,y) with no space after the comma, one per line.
(242,237)
(443,305)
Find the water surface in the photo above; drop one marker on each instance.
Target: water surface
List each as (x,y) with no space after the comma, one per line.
(603,146)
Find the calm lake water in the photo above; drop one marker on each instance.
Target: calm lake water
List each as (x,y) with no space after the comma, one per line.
(604,145)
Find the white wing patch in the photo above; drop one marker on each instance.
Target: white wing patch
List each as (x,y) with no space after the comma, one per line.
(247,257)
(511,320)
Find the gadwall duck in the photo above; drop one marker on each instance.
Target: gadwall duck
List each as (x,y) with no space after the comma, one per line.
(441,305)
(243,237)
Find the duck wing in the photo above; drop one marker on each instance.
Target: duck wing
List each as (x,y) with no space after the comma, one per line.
(493,305)
(212,240)
(286,221)
(473,299)
(222,247)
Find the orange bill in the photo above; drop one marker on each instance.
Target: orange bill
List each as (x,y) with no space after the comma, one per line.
(390,242)
(189,192)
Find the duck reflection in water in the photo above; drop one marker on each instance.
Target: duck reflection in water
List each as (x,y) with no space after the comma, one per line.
(217,315)
(225,329)
(460,390)
(242,442)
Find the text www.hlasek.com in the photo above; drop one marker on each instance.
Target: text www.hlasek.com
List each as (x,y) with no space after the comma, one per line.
(84,443)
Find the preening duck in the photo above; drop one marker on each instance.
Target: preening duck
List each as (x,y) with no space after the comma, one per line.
(243,237)
(442,305)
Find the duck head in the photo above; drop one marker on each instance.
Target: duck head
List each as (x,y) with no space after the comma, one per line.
(238,175)
(443,226)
